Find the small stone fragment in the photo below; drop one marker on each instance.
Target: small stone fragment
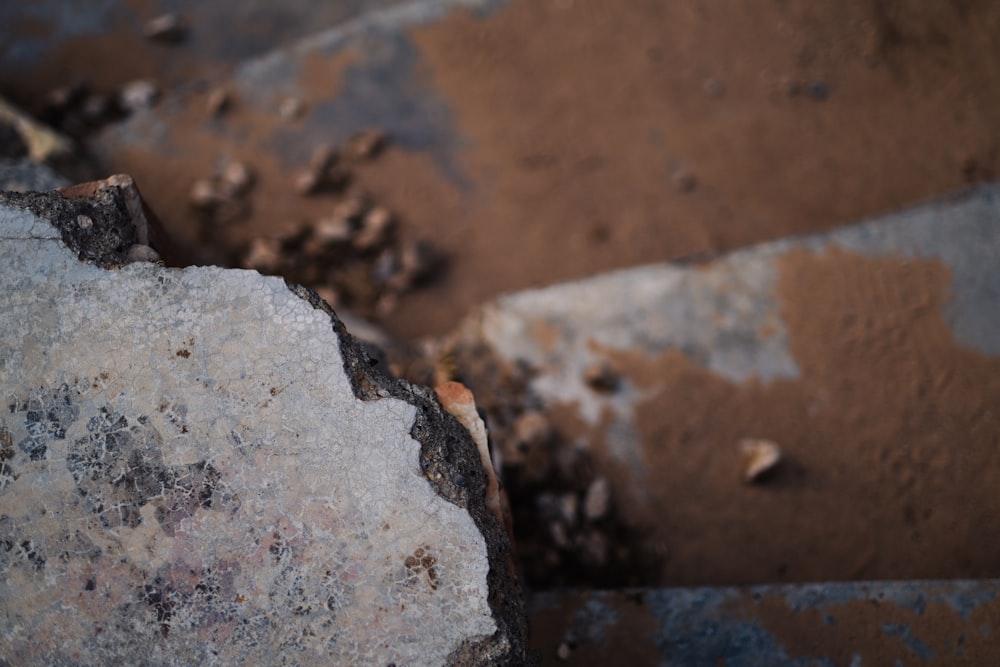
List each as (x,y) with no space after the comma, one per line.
(307,182)
(375,227)
(142,253)
(290,109)
(263,255)
(598,499)
(563,651)
(318,174)
(218,102)
(167,28)
(204,194)
(138,95)
(759,458)
(237,178)
(601,377)
(531,429)
(333,230)
(366,145)
(386,266)
(84,221)
(96,108)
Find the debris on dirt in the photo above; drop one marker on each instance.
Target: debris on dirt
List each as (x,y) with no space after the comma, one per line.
(138,95)
(602,377)
(759,458)
(219,101)
(366,145)
(236,179)
(290,109)
(320,174)
(167,29)
(683,180)
(568,529)
(355,254)
(597,502)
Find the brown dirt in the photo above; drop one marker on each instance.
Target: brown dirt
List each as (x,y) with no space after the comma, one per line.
(581,119)
(889,434)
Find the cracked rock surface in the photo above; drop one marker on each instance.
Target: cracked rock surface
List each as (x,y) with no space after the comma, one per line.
(200,466)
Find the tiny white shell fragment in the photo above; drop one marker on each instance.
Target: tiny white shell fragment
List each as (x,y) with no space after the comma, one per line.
(759,457)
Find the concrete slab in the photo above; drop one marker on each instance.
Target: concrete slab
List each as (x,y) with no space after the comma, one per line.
(724,314)
(874,623)
(200,466)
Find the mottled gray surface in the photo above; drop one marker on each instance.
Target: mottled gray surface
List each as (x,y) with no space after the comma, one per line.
(197,466)
(905,622)
(725,314)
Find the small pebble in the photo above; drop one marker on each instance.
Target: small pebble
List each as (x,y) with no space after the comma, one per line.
(563,651)
(264,255)
(167,28)
(600,376)
(308,182)
(138,95)
(84,221)
(323,157)
(333,230)
(531,429)
(598,499)
(218,102)
(142,253)
(204,194)
(96,108)
(290,109)
(236,178)
(375,227)
(366,145)
(759,457)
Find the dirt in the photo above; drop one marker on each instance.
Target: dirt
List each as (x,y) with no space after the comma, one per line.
(593,138)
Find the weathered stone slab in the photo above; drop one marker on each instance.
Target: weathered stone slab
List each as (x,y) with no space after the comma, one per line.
(869,623)
(199,466)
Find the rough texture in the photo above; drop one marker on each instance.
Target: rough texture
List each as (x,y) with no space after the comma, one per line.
(198,467)
(868,355)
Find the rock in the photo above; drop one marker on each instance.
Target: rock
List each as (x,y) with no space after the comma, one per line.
(167,28)
(291,108)
(219,102)
(366,145)
(759,458)
(139,95)
(597,502)
(200,466)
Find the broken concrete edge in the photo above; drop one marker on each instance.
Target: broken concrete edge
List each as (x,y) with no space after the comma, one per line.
(449,459)
(451,463)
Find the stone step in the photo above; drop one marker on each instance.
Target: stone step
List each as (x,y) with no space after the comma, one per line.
(868,356)
(851,624)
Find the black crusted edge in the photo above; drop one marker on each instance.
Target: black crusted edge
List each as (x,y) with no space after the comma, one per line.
(450,461)
(104,242)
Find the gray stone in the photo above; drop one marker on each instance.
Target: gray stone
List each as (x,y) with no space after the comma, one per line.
(716,313)
(200,466)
